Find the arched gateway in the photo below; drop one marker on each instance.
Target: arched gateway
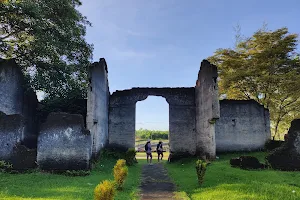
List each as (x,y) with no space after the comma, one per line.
(181,116)
(192,112)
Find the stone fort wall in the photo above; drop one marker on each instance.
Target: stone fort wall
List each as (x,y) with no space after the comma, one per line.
(198,124)
(244,125)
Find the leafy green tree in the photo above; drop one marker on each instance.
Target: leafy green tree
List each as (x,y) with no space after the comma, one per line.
(264,67)
(46,38)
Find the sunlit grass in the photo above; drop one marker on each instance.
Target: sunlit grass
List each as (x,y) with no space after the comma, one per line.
(226,183)
(142,156)
(36,186)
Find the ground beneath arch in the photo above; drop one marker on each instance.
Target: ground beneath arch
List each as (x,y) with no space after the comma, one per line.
(156,184)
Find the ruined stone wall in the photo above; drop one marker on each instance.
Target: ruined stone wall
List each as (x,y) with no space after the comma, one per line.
(12,129)
(243,126)
(97,105)
(207,109)
(16,100)
(181,116)
(64,143)
(11,88)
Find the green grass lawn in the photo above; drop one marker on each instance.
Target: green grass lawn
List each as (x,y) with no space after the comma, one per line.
(226,183)
(38,185)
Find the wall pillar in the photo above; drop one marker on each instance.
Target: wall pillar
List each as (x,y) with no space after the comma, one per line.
(207,109)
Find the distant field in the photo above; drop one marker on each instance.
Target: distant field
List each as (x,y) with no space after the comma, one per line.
(140,144)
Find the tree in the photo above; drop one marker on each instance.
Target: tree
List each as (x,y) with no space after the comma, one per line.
(46,39)
(264,67)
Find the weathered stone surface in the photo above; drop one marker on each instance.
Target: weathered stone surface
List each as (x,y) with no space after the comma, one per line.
(16,100)
(11,91)
(207,110)
(287,156)
(181,116)
(244,125)
(64,143)
(246,162)
(97,105)
(11,133)
(23,158)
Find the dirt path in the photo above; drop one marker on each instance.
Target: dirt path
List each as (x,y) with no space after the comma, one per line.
(156,184)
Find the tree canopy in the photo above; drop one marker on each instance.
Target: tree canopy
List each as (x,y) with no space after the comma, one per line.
(264,67)
(46,38)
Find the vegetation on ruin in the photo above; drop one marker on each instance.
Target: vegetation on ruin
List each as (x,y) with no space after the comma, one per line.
(38,185)
(264,67)
(225,182)
(46,39)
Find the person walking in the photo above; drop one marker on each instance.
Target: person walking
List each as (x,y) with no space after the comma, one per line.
(159,150)
(148,150)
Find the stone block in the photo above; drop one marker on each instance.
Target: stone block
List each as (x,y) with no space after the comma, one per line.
(11,132)
(287,156)
(64,143)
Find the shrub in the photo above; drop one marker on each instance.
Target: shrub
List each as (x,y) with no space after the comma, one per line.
(5,166)
(130,156)
(200,169)
(114,151)
(120,173)
(105,191)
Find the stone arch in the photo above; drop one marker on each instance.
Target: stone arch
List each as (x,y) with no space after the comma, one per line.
(181,116)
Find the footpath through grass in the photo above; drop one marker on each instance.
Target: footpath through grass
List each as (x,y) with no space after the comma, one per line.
(226,183)
(37,186)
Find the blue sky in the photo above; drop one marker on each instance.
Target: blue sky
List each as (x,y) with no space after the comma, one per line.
(160,43)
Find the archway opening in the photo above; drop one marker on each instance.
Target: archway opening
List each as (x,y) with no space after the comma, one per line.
(152,122)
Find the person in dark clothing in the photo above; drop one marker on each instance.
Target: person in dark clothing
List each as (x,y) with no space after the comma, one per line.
(159,150)
(148,150)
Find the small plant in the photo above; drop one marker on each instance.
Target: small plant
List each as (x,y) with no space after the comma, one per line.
(200,169)
(130,156)
(120,173)
(5,166)
(105,191)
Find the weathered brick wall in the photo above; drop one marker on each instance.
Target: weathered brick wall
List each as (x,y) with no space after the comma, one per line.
(244,125)
(64,143)
(207,109)
(97,105)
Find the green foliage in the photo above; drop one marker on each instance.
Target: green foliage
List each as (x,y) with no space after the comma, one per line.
(105,191)
(46,38)
(120,173)
(72,105)
(264,67)
(120,152)
(130,156)
(5,166)
(200,169)
(152,134)
(77,173)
